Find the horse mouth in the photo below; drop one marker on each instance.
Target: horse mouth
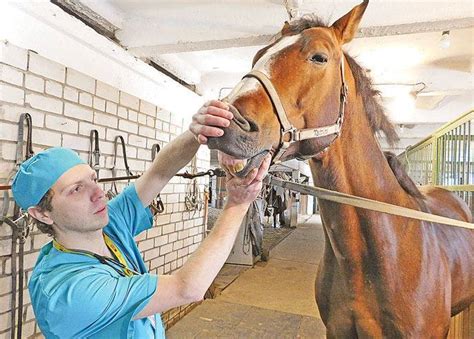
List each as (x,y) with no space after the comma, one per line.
(241,167)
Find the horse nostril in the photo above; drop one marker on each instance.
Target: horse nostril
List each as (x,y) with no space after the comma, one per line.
(240,119)
(253,127)
(241,122)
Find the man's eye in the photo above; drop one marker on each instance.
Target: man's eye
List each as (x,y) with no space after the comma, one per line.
(76,189)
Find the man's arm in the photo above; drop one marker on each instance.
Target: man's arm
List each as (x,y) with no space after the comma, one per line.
(179,152)
(191,281)
(174,156)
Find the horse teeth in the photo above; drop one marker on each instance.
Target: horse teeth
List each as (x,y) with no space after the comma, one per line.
(238,167)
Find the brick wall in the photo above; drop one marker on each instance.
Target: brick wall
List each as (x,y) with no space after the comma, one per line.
(65,105)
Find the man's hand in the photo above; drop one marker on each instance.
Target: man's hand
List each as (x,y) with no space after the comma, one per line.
(210,120)
(245,190)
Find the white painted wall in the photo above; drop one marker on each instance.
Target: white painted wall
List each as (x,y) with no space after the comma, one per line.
(48,30)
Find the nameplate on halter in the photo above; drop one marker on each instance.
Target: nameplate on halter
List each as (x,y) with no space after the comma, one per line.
(319,132)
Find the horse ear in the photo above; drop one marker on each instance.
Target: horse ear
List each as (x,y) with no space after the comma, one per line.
(286,29)
(346,26)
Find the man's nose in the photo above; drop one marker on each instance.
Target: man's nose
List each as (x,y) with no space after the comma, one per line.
(97,193)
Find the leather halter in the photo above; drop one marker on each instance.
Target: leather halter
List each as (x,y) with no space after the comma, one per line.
(287,128)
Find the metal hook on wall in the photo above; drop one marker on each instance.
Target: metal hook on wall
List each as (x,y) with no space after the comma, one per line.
(124,153)
(94,151)
(113,191)
(156,205)
(21,155)
(20,227)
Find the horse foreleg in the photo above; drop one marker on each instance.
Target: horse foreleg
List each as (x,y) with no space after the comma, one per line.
(324,281)
(331,298)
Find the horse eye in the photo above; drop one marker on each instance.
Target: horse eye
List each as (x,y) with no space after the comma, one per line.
(319,58)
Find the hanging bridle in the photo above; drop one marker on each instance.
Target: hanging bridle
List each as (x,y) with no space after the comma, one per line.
(288,133)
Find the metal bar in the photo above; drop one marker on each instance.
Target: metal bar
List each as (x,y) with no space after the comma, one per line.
(434,165)
(464,154)
(442,160)
(459,160)
(214,172)
(13,305)
(442,130)
(467,188)
(21,274)
(426,162)
(455,156)
(469,153)
(450,157)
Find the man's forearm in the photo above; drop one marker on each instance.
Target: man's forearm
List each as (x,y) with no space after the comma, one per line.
(202,267)
(174,156)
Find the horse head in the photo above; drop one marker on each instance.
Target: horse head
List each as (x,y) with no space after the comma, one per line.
(292,102)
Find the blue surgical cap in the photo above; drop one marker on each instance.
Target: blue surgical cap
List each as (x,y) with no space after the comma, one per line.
(39,173)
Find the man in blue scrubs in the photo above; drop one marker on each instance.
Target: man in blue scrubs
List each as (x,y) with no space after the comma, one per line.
(91,281)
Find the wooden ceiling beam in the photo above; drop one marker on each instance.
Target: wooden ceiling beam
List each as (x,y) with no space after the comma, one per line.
(375,31)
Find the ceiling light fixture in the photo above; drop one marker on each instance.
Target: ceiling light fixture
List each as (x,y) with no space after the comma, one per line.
(388,58)
(445,40)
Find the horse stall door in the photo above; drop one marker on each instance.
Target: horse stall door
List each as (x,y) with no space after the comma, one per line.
(462,325)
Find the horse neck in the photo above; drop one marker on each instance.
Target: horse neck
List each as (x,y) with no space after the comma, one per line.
(354,164)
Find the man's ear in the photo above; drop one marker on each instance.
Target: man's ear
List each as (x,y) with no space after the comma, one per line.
(40,215)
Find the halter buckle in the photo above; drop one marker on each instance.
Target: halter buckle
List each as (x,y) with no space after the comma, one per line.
(293,132)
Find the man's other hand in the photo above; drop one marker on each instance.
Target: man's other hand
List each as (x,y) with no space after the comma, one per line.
(245,190)
(210,120)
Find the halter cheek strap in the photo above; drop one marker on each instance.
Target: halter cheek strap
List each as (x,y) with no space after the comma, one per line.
(288,133)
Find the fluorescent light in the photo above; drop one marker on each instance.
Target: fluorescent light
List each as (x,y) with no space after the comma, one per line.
(392,58)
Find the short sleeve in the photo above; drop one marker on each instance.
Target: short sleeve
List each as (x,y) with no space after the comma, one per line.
(93,299)
(127,209)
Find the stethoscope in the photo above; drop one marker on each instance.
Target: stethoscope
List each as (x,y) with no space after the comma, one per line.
(120,267)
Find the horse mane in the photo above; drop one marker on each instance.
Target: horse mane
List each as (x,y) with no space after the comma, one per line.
(403,179)
(371,98)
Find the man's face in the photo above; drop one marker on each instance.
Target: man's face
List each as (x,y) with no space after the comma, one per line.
(78,203)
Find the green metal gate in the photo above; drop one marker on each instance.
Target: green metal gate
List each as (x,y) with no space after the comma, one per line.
(446,159)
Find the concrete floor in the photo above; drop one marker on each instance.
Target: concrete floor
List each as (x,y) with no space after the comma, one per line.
(274,299)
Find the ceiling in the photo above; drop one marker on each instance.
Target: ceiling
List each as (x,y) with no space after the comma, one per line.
(209,45)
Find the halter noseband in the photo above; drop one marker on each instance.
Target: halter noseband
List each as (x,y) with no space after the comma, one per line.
(287,128)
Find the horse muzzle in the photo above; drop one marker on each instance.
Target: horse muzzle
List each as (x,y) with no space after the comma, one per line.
(239,145)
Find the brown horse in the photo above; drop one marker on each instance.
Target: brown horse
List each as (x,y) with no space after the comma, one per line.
(381,275)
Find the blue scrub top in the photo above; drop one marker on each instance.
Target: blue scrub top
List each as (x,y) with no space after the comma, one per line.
(75,296)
